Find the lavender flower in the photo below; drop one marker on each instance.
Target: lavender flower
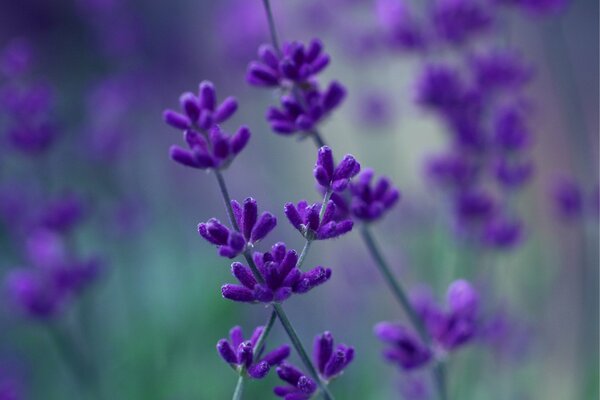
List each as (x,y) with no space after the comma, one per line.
(510,130)
(280,274)
(214,150)
(406,349)
(331,362)
(245,357)
(201,112)
(457,21)
(371,200)
(500,70)
(451,170)
(503,233)
(297,63)
(305,218)
(331,177)
(301,387)
(440,87)
(512,173)
(303,110)
(400,27)
(252,229)
(568,198)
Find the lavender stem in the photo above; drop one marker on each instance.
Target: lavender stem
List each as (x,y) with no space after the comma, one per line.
(277,307)
(300,350)
(239,388)
(265,333)
(272,29)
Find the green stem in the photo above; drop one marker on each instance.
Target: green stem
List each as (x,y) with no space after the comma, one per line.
(393,283)
(226,199)
(239,388)
(300,350)
(439,374)
(303,253)
(319,142)
(265,333)
(272,29)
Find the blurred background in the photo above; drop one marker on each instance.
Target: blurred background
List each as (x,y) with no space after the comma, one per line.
(85,176)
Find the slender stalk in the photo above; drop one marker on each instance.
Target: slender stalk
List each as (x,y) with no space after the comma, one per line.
(226,199)
(301,351)
(392,282)
(303,253)
(439,374)
(239,388)
(272,29)
(319,142)
(265,333)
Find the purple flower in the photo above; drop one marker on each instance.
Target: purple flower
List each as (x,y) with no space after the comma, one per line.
(16,58)
(280,275)
(440,87)
(405,348)
(305,218)
(474,206)
(201,112)
(214,149)
(301,387)
(451,170)
(304,109)
(456,326)
(63,213)
(297,63)
(331,361)
(371,200)
(400,27)
(503,233)
(252,228)
(329,176)
(33,294)
(512,173)
(457,21)
(510,130)
(568,198)
(243,355)
(500,69)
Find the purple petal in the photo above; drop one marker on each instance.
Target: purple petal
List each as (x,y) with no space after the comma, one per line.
(176,120)
(243,274)
(226,352)
(227,108)
(237,293)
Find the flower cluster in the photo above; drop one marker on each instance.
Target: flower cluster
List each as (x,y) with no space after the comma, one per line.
(570,200)
(490,142)
(252,228)
(330,363)
(294,70)
(208,145)
(280,275)
(25,104)
(448,329)
(331,177)
(245,357)
(53,277)
(305,218)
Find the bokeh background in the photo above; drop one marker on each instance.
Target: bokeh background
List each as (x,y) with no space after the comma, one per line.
(148,323)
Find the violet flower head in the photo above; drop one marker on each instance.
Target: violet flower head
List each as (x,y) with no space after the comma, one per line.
(370,200)
(440,88)
(253,228)
(330,361)
(568,198)
(16,58)
(201,112)
(474,206)
(300,386)
(215,150)
(331,177)
(281,276)
(457,21)
(400,27)
(297,63)
(455,326)
(63,214)
(451,170)
(511,173)
(305,218)
(510,130)
(244,356)
(503,233)
(32,294)
(405,348)
(304,109)
(500,69)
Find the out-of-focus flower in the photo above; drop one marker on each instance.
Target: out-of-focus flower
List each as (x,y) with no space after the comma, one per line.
(301,387)
(405,348)
(243,356)
(500,70)
(16,58)
(568,198)
(400,27)
(330,361)
(457,21)
(280,274)
(370,200)
(502,233)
